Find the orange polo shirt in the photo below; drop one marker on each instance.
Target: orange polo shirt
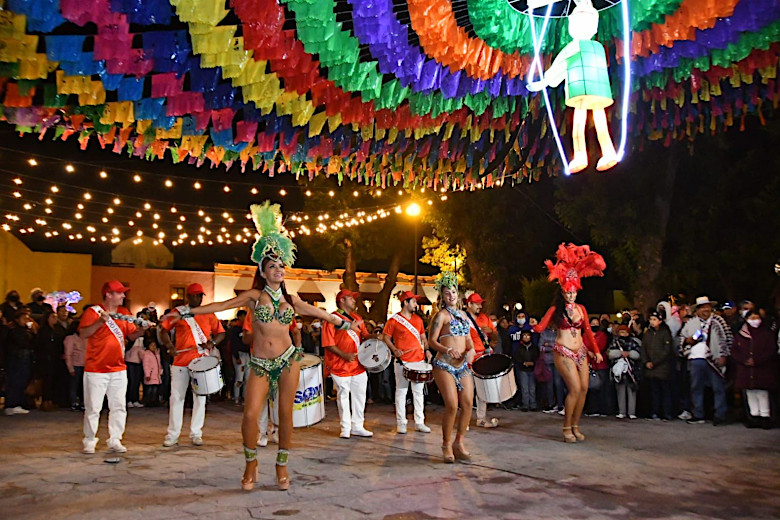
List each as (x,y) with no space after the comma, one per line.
(483,320)
(105,353)
(404,340)
(208,323)
(344,342)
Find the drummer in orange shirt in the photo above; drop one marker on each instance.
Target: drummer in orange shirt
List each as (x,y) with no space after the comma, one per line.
(488,332)
(349,376)
(195,337)
(105,373)
(404,333)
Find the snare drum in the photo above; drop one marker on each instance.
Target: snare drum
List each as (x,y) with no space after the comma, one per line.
(205,375)
(418,372)
(494,378)
(374,355)
(309,403)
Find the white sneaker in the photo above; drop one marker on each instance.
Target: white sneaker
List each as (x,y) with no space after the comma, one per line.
(168,442)
(361,432)
(16,410)
(685,415)
(620,416)
(344,434)
(89,447)
(197,441)
(130,405)
(138,405)
(116,447)
(562,411)
(400,429)
(632,416)
(422,428)
(262,441)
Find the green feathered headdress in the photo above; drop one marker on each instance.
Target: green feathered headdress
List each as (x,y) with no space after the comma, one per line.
(274,241)
(446,279)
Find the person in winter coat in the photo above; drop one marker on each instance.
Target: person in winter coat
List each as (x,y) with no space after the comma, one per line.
(49,359)
(597,403)
(525,356)
(19,350)
(624,352)
(657,360)
(152,367)
(755,354)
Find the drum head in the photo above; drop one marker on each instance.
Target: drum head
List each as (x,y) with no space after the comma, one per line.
(419,366)
(492,365)
(370,347)
(203,363)
(310,360)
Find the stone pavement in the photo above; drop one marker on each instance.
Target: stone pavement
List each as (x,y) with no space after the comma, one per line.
(625,469)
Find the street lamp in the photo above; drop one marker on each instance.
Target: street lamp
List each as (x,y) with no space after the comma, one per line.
(414,210)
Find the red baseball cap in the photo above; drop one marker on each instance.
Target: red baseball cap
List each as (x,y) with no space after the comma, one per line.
(344,293)
(408,294)
(474,298)
(113,286)
(195,288)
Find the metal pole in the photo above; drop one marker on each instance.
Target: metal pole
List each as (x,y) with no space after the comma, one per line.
(415,256)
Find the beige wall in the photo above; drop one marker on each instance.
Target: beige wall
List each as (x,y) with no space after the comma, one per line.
(22,269)
(149,284)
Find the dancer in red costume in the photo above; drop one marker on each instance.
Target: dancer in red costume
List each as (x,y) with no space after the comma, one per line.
(575,337)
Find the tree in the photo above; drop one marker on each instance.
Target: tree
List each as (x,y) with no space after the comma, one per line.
(440,253)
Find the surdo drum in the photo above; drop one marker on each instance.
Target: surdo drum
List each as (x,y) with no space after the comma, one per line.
(494,378)
(374,355)
(309,403)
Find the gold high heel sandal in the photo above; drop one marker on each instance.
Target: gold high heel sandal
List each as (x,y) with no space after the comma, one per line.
(568,437)
(460,453)
(282,483)
(575,429)
(250,456)
(446,452)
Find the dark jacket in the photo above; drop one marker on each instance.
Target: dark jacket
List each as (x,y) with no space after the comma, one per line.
(525,353)
(19,343)
(762,348)
(657,349)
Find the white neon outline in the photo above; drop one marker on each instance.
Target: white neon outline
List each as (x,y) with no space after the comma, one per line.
(537,43)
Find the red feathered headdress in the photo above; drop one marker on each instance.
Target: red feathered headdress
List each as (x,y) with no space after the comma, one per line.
(572,263)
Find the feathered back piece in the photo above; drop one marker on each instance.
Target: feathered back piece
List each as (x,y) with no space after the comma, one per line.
(572,264)
(446,279)
(274,241)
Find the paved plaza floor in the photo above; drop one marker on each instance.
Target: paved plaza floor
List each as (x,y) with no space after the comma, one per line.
(521,470)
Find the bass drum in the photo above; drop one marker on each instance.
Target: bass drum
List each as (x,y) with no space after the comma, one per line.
(309,403)
(494,378)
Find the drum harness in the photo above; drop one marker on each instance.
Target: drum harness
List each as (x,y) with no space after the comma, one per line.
(485,342)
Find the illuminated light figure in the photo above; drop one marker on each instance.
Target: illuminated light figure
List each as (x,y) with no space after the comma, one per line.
(583,64)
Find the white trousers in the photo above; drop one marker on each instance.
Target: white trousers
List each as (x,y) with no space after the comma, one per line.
(481,408)
(401,386)
(97,386)
(241,373)
(180,381)
(264,419)
(351,389)
(758,402)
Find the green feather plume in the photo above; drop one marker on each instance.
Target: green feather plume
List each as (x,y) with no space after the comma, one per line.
(446,279)
(274,240)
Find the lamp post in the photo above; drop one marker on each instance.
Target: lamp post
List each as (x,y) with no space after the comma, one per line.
(413,210)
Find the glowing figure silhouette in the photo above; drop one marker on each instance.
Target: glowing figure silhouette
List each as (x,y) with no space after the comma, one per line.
(583,64)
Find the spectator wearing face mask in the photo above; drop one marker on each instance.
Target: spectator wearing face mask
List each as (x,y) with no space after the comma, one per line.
(624,352)
(597,403)
(657,359)
(515,333)
(9,307)
(37,307)
(504,339)
(525,356)
(755,354)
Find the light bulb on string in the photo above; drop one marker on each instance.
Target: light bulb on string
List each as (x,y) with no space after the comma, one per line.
(69,168)
(32,162)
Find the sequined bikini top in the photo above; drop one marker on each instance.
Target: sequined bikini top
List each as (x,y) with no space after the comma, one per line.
(267,313)
(459,326)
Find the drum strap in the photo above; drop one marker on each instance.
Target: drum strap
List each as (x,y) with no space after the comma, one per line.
(197,332)
(406,323)
(112,326)
(482,337)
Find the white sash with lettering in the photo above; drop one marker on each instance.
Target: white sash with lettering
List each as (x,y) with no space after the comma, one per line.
(112,326)
(406,323)
(197,332)
(354,336)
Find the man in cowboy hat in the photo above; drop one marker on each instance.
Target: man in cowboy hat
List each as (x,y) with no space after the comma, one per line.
(706,340)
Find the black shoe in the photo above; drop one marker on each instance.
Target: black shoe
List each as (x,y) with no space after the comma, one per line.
(766,423)
(719,422)
(695,421)
(75,408)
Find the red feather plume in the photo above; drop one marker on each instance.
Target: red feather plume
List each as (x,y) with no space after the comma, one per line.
(573,263)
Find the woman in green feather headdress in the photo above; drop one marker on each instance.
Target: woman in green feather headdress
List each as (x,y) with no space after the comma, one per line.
(274,362)
(449,337)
